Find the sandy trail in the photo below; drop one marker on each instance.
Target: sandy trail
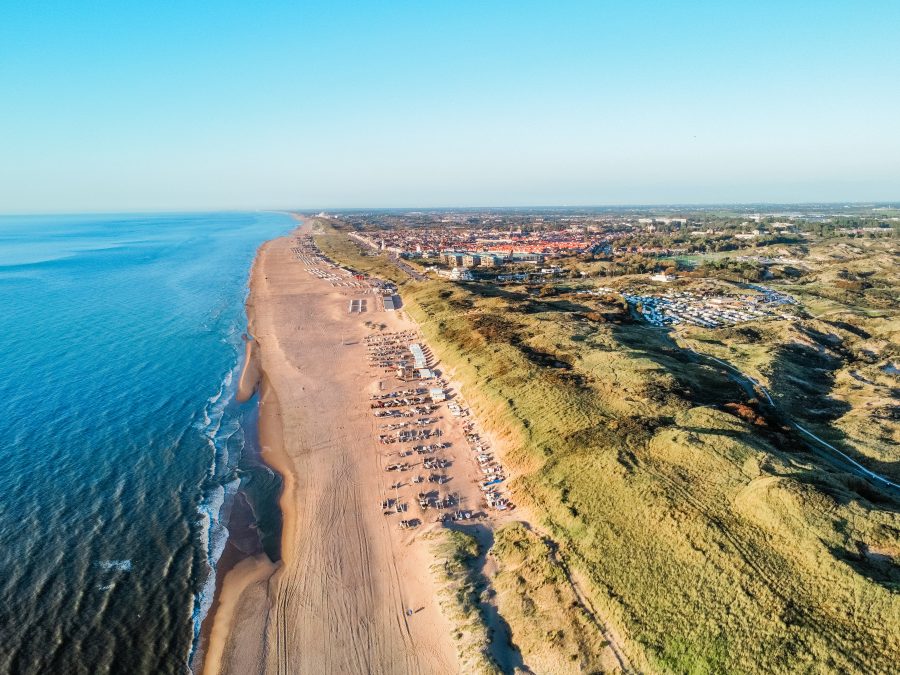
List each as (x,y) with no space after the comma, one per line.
(337,603)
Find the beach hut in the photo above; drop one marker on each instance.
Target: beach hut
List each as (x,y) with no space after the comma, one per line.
(405,372)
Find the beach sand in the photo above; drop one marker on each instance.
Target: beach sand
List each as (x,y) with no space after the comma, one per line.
(250,374)
(338,599)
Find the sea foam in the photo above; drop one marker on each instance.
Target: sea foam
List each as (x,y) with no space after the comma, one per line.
(118,565)
(220,425)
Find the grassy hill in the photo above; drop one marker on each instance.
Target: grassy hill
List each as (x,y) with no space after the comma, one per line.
(719,544)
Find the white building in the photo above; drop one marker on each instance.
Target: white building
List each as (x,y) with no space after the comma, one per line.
(460,274)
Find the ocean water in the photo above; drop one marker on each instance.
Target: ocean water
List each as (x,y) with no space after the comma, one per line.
(120,440)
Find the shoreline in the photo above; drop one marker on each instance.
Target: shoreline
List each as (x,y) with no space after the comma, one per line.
(236,570)
(235,514)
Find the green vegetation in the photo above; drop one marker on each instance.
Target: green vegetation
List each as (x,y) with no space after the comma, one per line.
(334,242)
(717,544)
(551,627)
(856,273)
(833,371)
(455,553)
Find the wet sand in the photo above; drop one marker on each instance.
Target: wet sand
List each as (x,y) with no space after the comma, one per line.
(337,601)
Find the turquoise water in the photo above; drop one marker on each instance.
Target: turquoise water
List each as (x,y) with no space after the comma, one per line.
(120,337)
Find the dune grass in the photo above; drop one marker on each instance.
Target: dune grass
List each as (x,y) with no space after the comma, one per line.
(716,545)
(554,632)
(455,553)
(832,370)
(335,243)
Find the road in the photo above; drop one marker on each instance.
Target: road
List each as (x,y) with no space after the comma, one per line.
(867,473)
(406,267)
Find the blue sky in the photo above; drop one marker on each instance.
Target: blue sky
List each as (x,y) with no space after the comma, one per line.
(186,105)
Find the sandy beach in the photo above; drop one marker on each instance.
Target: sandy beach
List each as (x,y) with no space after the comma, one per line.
(338,600)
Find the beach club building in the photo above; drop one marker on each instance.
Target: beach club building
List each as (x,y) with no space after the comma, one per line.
(418,356)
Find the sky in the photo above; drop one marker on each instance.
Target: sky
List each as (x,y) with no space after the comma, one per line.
(183,105)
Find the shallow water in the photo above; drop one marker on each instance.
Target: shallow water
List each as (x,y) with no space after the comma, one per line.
(119,342)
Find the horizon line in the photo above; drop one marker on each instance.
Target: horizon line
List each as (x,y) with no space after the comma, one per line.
(304,210)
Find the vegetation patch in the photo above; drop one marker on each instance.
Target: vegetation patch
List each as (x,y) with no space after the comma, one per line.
(555,632)
(333,241)
(455,553)
(645,482)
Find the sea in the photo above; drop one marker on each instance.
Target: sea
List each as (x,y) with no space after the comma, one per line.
(122,446)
